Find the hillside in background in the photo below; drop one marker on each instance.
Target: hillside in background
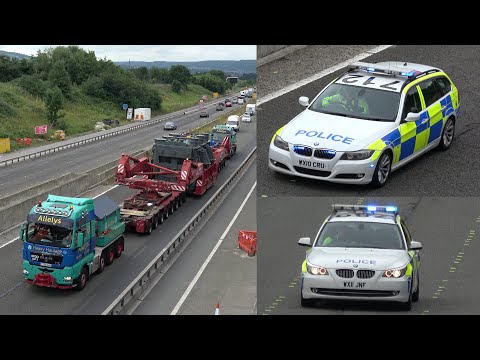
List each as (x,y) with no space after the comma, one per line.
(14,55)
(232,67)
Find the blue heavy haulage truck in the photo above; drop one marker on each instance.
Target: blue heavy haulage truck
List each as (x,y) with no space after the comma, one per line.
(66,240)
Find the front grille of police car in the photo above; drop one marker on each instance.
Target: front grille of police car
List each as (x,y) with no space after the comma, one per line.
(312,172)
(365,274)
(303,150)
(324,154)
(345,273)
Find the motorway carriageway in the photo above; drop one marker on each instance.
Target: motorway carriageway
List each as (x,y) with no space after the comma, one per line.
(448,229)
(17,177)
(18,297)
(212,269)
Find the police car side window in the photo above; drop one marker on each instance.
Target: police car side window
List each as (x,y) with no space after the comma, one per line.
(406,232)
(431,91)
(412,100)
(444,85)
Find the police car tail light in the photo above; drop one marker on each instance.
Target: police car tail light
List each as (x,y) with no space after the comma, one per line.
(280,143)
(395,273)
(357,155)
(317,270)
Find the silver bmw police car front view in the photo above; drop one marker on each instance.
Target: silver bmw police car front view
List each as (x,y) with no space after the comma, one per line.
(362,253)
(367,123)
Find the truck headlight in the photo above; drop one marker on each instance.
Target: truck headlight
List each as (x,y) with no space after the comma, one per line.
(317,270)
(357,155)
(395,273)
(67,278)
(25,272)
(280,143)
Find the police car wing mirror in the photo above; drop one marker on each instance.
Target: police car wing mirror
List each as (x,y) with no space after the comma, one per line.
(412,116)
(304,241)
(303,100)
(79,239)
(415,245)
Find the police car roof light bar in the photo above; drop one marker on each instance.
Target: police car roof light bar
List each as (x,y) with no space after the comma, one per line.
(365,208)
(382,69)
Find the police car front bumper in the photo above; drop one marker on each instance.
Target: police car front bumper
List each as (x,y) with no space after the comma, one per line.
(338,171)
(378,288)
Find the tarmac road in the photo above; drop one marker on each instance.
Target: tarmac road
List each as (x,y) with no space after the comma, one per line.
(448,229)
(455,172)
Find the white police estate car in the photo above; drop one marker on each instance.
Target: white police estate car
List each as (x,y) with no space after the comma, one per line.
(368,122)
(362,253)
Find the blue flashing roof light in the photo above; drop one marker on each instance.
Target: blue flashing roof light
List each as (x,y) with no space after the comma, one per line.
(410,73)
(391,208)
(371,208)
(370,69)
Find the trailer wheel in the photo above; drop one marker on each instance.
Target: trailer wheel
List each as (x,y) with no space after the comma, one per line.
(82,279)
(155,222)
(161,218)
(149,229)
(101,266)
(176,205)
(184,197)
(119,247)
(170,209)
(110,254)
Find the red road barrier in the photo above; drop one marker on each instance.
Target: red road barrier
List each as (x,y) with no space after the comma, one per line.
(247,240)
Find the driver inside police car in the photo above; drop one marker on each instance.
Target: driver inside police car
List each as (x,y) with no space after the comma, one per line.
(347,98)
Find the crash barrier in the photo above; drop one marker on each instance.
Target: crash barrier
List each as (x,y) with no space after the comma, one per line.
(107,134)
(15,206)
(145,278)
(247,240)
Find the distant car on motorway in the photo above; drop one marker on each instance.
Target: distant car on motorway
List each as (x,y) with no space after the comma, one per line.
(364,253)
(228,104)
(170,126)
(204,114)
(219,107)
(235,100)
(240,101)
(246,117)
(367,123)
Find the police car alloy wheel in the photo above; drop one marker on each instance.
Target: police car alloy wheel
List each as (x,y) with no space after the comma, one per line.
(382,171)
(447,135)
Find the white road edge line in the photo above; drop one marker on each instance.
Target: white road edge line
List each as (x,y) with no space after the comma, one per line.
(321,74)
(210,256)
(11,241)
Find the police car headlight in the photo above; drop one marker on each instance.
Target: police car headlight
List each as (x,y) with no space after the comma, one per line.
(395,273)
(357,155)
(280,143)
(317,270)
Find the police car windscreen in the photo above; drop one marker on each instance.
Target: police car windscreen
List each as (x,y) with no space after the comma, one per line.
(358,102)
(361,235)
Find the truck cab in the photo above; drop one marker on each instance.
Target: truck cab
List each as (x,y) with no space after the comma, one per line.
(68,239)
(218,134)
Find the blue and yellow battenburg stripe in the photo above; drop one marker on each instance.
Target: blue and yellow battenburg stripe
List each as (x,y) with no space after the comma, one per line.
(411,137)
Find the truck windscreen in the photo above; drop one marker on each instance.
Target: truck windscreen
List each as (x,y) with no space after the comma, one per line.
(49,235)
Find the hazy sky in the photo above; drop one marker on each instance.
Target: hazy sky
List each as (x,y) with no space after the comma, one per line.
(155,52)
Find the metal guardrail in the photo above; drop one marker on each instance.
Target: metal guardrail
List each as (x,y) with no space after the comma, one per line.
(99,137)
(136,288)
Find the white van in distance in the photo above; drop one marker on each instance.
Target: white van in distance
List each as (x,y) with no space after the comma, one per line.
(233,121)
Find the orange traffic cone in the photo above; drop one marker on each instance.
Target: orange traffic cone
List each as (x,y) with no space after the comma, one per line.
(217,309)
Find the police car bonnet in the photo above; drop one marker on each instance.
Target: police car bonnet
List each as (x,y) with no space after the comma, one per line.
(333,132)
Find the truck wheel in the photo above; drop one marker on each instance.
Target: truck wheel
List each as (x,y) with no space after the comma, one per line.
(81,281)
(119,247)
(155,222)
(149,229)
(110,254)
(101,266)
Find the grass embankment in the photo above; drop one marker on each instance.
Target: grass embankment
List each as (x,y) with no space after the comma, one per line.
(207,127)
(172,101)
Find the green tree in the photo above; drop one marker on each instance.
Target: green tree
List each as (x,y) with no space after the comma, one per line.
(59,77)
(176,86)
(218,73)
(34,85)
(180,73)
(54,103)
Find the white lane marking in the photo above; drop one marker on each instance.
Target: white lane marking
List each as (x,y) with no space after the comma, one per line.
(321,74)
(18,237)
(210,256)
